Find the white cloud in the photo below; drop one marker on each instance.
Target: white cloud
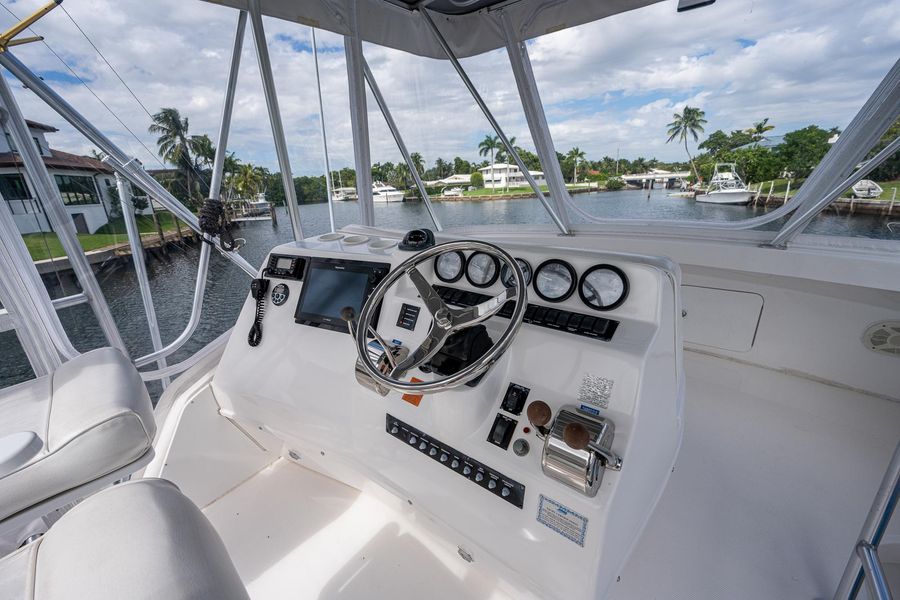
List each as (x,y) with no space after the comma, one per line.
(607,85)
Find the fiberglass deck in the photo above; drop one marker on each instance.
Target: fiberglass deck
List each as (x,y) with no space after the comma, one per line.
(774,478)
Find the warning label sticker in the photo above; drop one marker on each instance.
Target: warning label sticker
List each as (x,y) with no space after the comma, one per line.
(562,520)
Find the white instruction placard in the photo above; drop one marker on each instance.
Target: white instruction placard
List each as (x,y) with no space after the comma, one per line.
(562,520)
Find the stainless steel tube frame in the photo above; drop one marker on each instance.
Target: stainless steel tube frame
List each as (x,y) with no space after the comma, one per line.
(116,158)
(490,117)
(876,582)
(395,131)
(58,217)
(873,528)
(140,268)
(268,82)
(215,182)
(329,184)
(359,120)
(196,310)
(534,115)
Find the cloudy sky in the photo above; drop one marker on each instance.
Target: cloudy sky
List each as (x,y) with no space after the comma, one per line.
(607,86)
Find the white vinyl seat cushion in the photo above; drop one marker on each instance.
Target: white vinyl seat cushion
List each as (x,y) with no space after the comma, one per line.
(140,540)
(89,418)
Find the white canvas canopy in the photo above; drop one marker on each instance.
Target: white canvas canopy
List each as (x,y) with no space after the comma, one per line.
(471,27)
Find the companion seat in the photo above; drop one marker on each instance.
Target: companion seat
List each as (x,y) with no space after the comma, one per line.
(65,435)
(141,540)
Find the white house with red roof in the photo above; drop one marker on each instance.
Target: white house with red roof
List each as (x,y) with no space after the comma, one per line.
(84,183)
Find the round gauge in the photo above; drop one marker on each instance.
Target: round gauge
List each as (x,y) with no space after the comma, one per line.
(506,274)
(449,266)
(482,269)
(603,287)
(554,280)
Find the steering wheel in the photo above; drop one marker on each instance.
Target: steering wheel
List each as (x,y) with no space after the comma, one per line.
(446,320)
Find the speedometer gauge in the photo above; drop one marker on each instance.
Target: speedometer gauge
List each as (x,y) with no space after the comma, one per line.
(449,266)
(554,280)
(603,287)
(482,269)
(506,274)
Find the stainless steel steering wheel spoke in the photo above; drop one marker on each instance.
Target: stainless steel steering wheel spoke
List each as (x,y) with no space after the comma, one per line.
(427,349)
(433,302)
(460,318)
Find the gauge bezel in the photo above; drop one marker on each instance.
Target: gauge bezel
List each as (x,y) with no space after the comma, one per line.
(493,279)
(569,292)
(462,268)
(529,273)
(617,271)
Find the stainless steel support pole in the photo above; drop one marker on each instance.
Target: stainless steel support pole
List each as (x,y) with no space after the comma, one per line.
(873,120)
(218,171)
(873,528)
(329,185)
(140,268)
(45,188)
(395,131)
(359,119)
(118,159)
(876,582)
(193,320)
(534,115)
(490,117)
(268,81)
(24,297)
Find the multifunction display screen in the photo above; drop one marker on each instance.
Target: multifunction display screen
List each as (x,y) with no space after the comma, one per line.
(333,284)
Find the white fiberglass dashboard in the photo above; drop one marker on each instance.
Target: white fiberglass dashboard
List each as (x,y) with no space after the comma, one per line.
(469,457)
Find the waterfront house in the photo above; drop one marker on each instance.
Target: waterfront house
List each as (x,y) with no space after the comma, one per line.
(454,180)
(83,181)
(504,175)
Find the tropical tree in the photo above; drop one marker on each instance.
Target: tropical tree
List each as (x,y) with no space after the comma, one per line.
(757,132)
(417,162)
(504,156)
(440,165)
(488,146)
(576,155)
(173,143)
(688,123)
(248,180)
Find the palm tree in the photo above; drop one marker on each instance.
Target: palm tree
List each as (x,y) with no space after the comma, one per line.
(576,154)
(173,143)
(504,156)
(247,180)
(440,165)
(417,162)
(487,146)
(759,129)
(689,122)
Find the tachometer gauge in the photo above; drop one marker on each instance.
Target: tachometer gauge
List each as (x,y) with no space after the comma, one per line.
(449,266)
(603,287)
(506,274)
(482,269)
(554,280)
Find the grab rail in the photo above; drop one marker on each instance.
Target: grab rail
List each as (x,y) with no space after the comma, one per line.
(864,564)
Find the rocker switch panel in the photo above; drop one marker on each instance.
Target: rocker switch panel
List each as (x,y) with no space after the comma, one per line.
(514,400)
(502,431)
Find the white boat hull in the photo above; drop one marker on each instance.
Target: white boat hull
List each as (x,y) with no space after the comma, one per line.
(725,197)
(388,197)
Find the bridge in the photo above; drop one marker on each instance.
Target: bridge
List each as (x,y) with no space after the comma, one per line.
(655,177)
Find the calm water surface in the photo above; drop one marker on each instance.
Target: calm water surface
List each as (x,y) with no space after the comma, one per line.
(172,278)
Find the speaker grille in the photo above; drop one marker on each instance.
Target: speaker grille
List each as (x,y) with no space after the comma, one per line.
(883,337)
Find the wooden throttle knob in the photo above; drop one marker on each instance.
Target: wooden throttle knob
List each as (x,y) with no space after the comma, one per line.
(539,413)
(576,436)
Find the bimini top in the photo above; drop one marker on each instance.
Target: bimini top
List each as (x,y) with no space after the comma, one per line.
(470,26)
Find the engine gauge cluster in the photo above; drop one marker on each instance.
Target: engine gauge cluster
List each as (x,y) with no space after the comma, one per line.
(601,287)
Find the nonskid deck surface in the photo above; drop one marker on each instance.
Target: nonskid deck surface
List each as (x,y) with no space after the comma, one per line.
(772,484)
(295,534)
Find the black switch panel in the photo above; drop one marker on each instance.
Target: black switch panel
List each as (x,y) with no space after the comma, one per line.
(409,314)
(502,431)
(477,472)
(514,400)
(543,316)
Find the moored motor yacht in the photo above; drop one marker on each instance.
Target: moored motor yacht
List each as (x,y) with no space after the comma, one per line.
(382,192)
(725,187)
(579,408)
